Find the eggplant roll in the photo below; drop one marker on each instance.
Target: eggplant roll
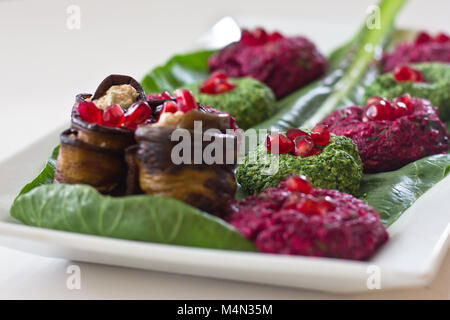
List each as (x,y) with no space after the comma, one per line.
(207,186)
(80,162)
(91,153)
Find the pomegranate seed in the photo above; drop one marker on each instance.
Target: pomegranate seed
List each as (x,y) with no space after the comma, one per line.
(208,87)
(310,206)
(372,112)
(320,135)
(152,96)
(327,204)
(406,100)
(418,75)
(137,114)
(405,73)
(278,143)
(275,36)
(381,110)
(166,95)
(299,184)
(294,133)
(217,83)
(373,100)
(89,112)
(399,110)
(292,200)
(441,38)
(225,87)
(113,116)
(247,38)
(185,100)
(402,105)
(303,146)
(315,151)
(219,74)
(233,124)
(260,35)
(380,100)
(159,96)
(423,37)
(253,38)
(170,107)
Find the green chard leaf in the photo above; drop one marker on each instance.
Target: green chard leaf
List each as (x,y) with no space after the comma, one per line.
(45,176)
(80,208)
(179,70)
(391,193)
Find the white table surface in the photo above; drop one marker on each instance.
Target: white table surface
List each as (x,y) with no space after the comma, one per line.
(43,65)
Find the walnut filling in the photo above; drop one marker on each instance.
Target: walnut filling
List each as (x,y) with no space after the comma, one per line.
(168,119)
(124,95)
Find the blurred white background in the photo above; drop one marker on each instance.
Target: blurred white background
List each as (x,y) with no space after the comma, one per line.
(43,64)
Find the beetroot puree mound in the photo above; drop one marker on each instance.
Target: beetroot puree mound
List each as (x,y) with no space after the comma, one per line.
(351,231)
(421,50)
(285,64)
(385,145)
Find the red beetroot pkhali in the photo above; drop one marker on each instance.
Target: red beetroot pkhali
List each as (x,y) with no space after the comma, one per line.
(322,223)
(407,130)
(425,48)
(285,64)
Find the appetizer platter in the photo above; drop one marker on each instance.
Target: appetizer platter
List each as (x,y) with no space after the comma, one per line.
(345,174)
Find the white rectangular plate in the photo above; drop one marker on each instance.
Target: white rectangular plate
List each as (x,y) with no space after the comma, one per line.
(418,242)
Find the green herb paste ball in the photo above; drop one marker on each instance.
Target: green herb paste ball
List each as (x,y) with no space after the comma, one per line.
(250,102)
(338,167)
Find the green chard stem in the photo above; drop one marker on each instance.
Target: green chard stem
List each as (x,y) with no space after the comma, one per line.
(365,50)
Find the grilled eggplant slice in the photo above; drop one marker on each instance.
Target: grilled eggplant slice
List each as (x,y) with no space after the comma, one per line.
(207,186)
